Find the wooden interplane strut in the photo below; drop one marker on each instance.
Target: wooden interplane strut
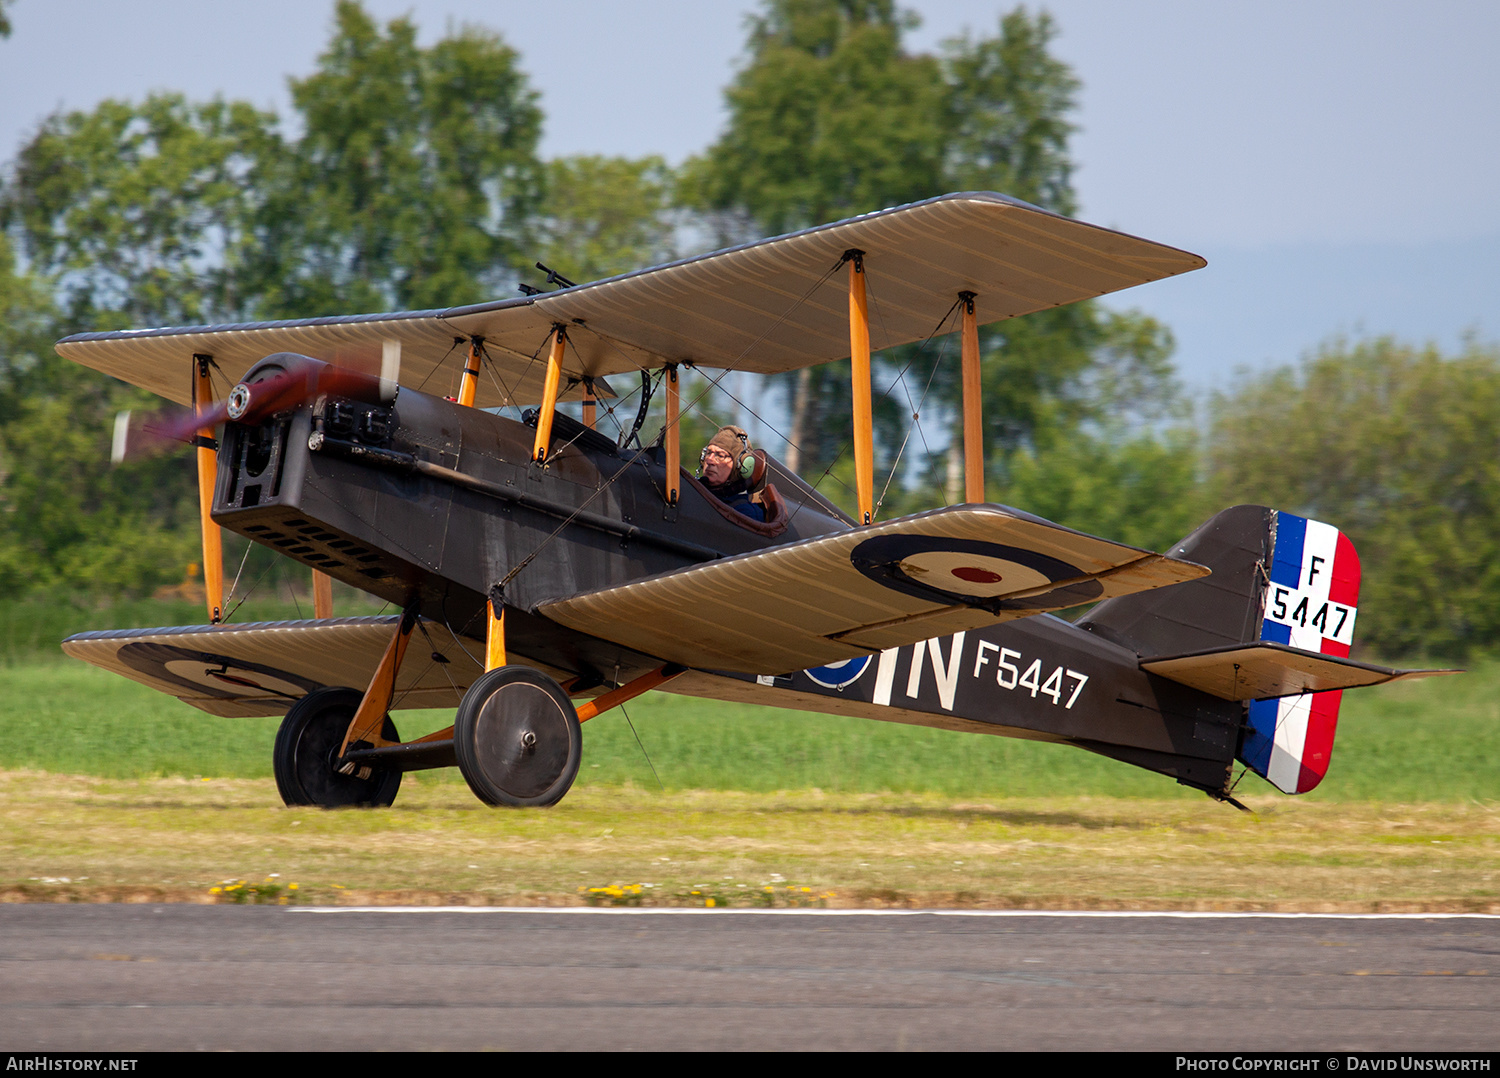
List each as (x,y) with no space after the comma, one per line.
(553,379)
(973,416)
(468,386)
(674,437)
(208,468)
(322,594)
(859,373)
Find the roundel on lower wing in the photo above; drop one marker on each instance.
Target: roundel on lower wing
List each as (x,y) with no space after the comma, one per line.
(971,571)
(212,675)
(838,675)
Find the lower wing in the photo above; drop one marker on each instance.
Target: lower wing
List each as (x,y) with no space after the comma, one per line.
(261,668)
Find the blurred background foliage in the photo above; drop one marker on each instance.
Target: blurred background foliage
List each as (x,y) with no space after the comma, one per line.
(409,177)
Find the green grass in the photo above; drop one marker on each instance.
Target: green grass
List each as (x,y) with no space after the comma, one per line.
(1434,740)
(1426,741)
(75,838)
(112,792)
(31,629)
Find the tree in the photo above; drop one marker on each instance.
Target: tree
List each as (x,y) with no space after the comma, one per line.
(414,183)
(1008,100)
(26,323)
(140,213)
(605,215)
(415,179)
(1396,446)
(831,117)
(67,519)
(1142,490)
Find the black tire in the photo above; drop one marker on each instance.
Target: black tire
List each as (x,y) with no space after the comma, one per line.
(517,738)
(308,743)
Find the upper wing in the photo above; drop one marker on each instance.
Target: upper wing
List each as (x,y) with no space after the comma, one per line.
(822,600)
(766,306)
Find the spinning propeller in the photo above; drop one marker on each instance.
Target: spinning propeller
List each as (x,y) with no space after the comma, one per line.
(249,402)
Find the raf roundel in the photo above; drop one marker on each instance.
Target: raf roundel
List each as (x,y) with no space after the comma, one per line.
(839,675)
(970,572)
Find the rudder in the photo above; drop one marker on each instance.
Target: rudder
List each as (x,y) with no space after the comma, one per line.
(1312,600)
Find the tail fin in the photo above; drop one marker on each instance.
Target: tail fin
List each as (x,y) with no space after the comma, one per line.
(1276,577)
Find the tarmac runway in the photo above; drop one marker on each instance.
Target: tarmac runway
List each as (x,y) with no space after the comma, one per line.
(140,978)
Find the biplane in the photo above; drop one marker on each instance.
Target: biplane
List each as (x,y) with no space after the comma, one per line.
(551,572)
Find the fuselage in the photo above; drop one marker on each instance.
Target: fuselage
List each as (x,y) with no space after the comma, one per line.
(422,501)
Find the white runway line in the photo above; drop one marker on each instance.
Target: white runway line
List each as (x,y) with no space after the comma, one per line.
(660,911)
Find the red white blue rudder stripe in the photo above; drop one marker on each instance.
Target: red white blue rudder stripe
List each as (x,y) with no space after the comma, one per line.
(1312,598)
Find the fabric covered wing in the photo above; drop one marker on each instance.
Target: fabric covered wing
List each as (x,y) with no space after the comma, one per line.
(852,593)
(767,306)
(260,668)
(1266,671)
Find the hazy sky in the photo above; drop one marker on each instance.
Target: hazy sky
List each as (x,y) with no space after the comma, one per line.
(1336,162)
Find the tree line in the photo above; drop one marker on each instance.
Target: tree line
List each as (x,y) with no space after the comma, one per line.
(409,177)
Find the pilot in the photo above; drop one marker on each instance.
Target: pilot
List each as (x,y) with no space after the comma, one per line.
(728,468)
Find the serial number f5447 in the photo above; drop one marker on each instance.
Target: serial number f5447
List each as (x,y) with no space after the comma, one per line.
(1011,675)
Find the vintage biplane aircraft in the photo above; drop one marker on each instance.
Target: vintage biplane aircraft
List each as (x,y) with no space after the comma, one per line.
(552,573)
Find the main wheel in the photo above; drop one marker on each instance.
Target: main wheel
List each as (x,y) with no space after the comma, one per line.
(517,738)
(307,747)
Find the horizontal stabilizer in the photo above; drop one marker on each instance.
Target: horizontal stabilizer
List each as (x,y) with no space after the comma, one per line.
(260,668)
(860,591)
(1265,671)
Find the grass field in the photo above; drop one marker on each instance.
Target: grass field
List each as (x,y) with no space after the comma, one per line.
(1436,740)
(111,791)
(79,838)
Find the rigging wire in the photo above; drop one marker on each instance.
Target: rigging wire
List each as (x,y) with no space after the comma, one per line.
(916,410)
(436,658)
(732,367)
(489,366)
(644,753)
(638,740)
(439,365)
(250,590)
(457,639)
(713,383)
(916,420)
(235,586)
(884,395)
